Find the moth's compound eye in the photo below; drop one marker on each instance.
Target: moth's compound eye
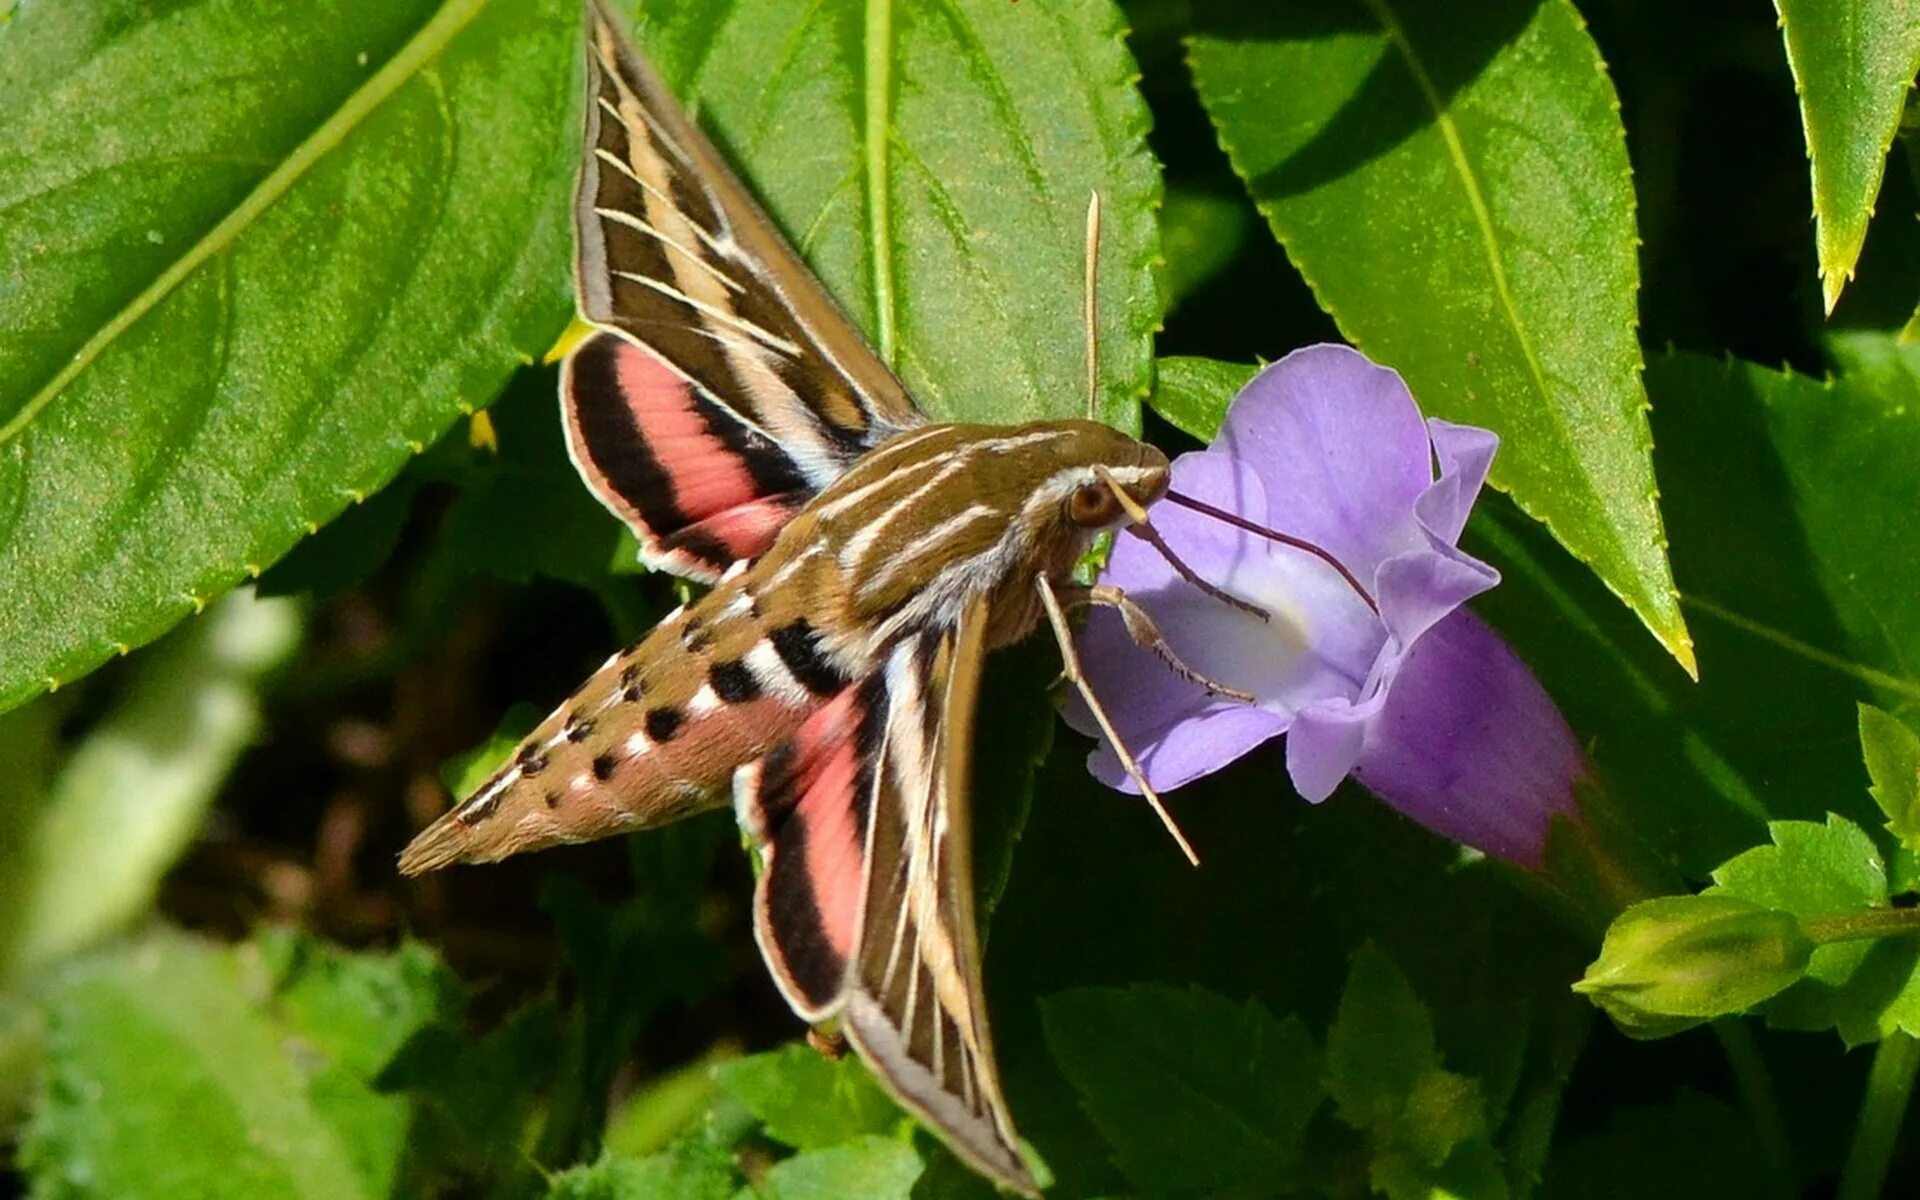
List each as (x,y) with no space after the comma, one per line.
(1093,506)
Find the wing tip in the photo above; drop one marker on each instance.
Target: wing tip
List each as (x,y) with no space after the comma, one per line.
(440,844)
(995,1155)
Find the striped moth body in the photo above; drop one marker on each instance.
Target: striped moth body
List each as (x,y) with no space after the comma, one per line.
(862,561)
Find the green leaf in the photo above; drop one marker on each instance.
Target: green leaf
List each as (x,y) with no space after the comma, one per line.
(1831,496)
(1863,989)
(807,1101)
(1436,171)
(1380,1044)
(1853,61)
(1192,1090)
(629,961)
(1816,481)
(1850,450)
(1201,234)
(173,1042)
(1193,393)
(1893,761)
(357,1009)
(1810,870)
(666,1106)
(530,515)
(692,1169)
(1427,1126)
(934,161)
(283,251)
(83,851)
(871,1168)
(479,1098)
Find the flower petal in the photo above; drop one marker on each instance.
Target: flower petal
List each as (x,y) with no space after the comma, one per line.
(1190,749)
(1342,449)
(1471,746)
(1465,454)
(1416,590)
(1323,745)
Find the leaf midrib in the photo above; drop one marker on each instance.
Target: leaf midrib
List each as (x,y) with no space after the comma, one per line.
(1470,183)
(421,49)
(877,135)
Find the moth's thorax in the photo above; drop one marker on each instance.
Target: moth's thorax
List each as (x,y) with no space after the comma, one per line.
(940,515)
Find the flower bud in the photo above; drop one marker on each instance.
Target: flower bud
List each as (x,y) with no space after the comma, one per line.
(1669,964)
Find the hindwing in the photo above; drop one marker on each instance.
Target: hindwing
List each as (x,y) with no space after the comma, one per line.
(724,387)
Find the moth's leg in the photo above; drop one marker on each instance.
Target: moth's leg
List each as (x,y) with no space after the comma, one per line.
(1070,662)
(1146,634)
(827,1041)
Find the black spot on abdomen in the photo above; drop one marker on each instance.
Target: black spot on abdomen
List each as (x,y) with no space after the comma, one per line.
(733,681)
(664,724)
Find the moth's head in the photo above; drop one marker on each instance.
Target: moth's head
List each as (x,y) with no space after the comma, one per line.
(1097,474)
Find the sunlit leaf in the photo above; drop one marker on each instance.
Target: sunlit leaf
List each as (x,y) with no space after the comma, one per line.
(872,1168)
(1453,183)
(693,1170)
(808,1101)
(1853,62)
(1864,989)
(934,162)
(282,251)
(1893,761)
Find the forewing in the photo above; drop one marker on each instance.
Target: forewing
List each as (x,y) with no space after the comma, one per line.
(725,386)
(916,1008)
(896,957)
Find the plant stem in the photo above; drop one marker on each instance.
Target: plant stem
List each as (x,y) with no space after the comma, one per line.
(1866,923)
(1763,1107)
(1882,1109)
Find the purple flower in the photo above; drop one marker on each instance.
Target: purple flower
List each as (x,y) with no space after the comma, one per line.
(1419,700)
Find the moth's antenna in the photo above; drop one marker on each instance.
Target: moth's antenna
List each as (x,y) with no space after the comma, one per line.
(1093,306)
(1070,662)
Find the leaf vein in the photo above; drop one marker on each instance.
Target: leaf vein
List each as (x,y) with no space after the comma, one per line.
(876,137)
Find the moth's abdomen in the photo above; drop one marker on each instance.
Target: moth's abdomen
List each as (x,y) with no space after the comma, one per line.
(653,736)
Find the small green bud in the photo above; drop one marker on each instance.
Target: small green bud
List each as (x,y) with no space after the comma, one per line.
(1669,964)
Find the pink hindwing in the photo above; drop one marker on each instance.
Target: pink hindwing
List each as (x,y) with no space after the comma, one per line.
(702,489)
